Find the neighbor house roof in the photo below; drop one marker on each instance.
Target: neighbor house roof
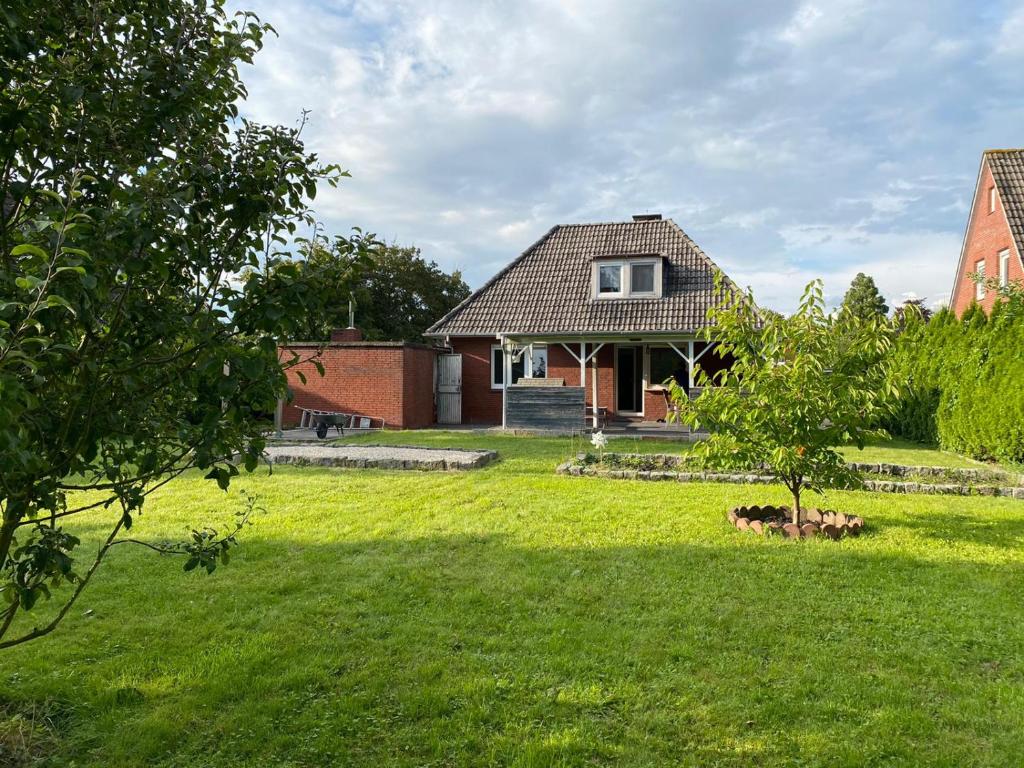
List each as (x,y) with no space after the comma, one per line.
(548,290)
(1007,166)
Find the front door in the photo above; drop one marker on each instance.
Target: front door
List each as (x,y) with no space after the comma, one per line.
(449,389)
(629,380)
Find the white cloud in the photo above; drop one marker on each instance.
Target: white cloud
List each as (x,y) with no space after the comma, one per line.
(1010,41)
(790,139)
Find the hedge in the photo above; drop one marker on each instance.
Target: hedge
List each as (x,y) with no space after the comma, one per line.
(962,382)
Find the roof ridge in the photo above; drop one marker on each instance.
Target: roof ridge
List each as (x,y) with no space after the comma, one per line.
(1002,151)
(615,223)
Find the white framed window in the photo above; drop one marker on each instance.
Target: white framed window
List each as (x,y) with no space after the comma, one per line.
(538,363)
(992,199)
(528,366)
(627,278)
(641,278)
(979,287)
(1004,268)
(609,279)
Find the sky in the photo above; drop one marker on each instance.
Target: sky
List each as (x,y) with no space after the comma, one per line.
(790,140)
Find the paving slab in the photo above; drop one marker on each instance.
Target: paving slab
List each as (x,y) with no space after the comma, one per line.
(380,456)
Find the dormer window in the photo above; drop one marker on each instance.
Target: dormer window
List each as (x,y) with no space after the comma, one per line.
(625,278)
(641,278)
(609,279)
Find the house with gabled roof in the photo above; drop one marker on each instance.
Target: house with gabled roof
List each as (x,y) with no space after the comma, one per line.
(606,311)
(993,245)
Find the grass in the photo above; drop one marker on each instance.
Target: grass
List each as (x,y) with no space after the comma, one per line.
(508,616)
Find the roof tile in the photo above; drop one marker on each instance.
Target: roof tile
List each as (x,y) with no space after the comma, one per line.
(547,290)
(1007,166)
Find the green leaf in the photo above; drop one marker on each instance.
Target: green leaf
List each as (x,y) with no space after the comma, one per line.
(53,300)
(35,250)
(28,282)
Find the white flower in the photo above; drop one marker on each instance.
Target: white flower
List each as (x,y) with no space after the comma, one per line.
(598,440)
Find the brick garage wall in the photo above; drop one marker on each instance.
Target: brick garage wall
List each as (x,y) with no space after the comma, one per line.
(418,395)
(988,235)
(387,380)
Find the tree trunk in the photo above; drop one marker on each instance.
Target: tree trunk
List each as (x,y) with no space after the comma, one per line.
(795,490)
(6,538)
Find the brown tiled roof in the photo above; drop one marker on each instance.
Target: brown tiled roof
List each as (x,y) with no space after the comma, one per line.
(1007,166)
(547,290)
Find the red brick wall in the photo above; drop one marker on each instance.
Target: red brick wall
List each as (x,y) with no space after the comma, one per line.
(988,234)
(346,334)
(418,395)
(394,383)
(480,403)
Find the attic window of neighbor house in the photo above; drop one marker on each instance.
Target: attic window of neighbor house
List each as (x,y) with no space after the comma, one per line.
(627,278)
(979,287)
(992,199)
(1004,268)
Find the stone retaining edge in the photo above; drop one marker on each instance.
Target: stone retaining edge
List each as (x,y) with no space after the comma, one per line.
(344,462)
(882,486)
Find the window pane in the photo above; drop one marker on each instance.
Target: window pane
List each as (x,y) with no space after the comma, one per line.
(979,287)
(518,368)
(1004,268)
(540,363)
(610,279)
(497,367)
(641,278)
(666,363)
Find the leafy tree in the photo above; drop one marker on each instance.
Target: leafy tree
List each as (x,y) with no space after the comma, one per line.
(909,311)
(863,300)
(335,267)
(144,276)
(397,293)
(799,387)
(402,294)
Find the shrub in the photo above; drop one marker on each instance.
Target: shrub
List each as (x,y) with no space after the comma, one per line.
(960,382)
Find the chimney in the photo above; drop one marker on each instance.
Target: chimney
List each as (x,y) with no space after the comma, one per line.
(346,334)
(646,217)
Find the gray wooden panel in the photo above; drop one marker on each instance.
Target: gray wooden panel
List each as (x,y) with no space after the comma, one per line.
(560,409)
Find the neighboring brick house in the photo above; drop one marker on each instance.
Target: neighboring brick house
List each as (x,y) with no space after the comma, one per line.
(389,380)
(613,308)
(994,241)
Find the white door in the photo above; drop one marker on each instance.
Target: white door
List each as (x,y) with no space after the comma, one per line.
(449,389)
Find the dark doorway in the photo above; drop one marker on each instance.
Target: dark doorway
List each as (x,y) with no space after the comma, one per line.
(629,379)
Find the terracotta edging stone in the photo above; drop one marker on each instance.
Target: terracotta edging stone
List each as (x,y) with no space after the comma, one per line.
(766,520)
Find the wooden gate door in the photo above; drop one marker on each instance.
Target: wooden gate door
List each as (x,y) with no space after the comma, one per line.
(449,389)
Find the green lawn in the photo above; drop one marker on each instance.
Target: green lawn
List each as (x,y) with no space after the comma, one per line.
(509,616)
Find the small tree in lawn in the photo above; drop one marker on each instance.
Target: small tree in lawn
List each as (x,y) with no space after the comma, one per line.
(799,387)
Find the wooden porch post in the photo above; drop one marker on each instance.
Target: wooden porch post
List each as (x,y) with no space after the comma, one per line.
(583,364)
(689,366)
(593,384)
(506,374)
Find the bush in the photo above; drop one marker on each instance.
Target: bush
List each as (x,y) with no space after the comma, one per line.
(961,382)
